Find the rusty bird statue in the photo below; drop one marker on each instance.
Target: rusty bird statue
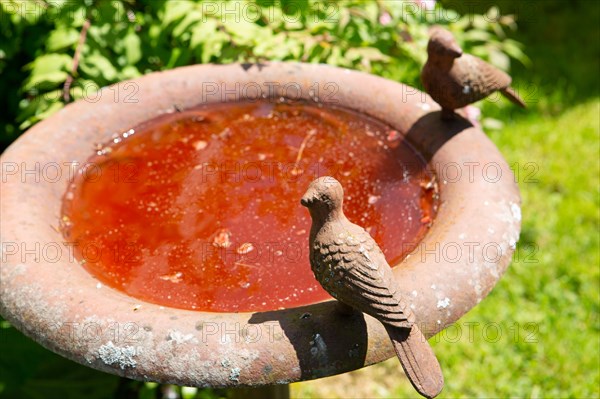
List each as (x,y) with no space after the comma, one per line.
(454,79)
(350,266)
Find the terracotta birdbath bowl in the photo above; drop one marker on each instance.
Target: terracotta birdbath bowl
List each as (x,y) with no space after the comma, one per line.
(49,294)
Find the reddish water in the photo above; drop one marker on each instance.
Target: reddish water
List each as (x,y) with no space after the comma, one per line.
(200,209)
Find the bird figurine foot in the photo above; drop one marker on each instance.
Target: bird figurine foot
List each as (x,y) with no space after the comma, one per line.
(455,79)
(449,114)
(350,266)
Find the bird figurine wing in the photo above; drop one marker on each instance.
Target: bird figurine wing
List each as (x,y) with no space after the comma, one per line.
(358,275)
(481,78)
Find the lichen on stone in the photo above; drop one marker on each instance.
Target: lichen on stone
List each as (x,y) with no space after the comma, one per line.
(121,356)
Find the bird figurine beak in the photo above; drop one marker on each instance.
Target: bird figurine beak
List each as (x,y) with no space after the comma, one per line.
(306,199)
(454,50)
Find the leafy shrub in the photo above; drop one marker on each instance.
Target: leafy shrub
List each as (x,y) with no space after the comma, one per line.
(128,38)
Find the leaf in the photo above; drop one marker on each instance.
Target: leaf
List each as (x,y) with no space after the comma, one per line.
(129,72)
(154,33)
(371,9)
(367,53)
(98,34)
(278,47)
(29,371)
(40,107)
(493,14)
(365,32)
(190,19)
(175,54)
(148,391)
(188,392)
(61,38)
(50,63)
(97,66)
(336,58)
(514,49)
(475,35)
(345,18)
(448,14)
(175,11)
(52,108)
(462,24)
(500,60)
(132,45)
(45,81)
(201,33)
(86,89)
(244,32)
(492,124)
(207,41)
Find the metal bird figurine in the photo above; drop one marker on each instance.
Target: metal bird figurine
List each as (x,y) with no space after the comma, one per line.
(350,266)
(454,79)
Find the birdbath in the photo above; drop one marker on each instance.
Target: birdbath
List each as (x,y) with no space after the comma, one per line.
(50,292)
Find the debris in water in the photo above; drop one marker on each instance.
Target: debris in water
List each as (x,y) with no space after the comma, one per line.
(373,199)
(200,145)
(245,248)
(222,239)
(174,278)
(393,135)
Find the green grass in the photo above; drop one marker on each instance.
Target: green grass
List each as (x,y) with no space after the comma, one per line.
(557,286)
(553,281)
(546,305)
(551,291)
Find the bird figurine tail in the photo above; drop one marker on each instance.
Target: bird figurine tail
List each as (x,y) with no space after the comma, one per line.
(510,93)
(417,359)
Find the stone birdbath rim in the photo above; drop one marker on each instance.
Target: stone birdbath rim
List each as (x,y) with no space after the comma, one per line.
(64,308)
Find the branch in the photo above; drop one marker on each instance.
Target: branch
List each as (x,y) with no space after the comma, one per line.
(78,50)
(296,170)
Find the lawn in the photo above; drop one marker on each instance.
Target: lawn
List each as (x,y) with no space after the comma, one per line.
(537,333)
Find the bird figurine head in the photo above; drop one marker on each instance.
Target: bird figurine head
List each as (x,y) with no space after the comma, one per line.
(324,196)
(442,44)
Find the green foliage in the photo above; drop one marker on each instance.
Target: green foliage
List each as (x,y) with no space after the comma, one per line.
(29,371)
(128,38)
